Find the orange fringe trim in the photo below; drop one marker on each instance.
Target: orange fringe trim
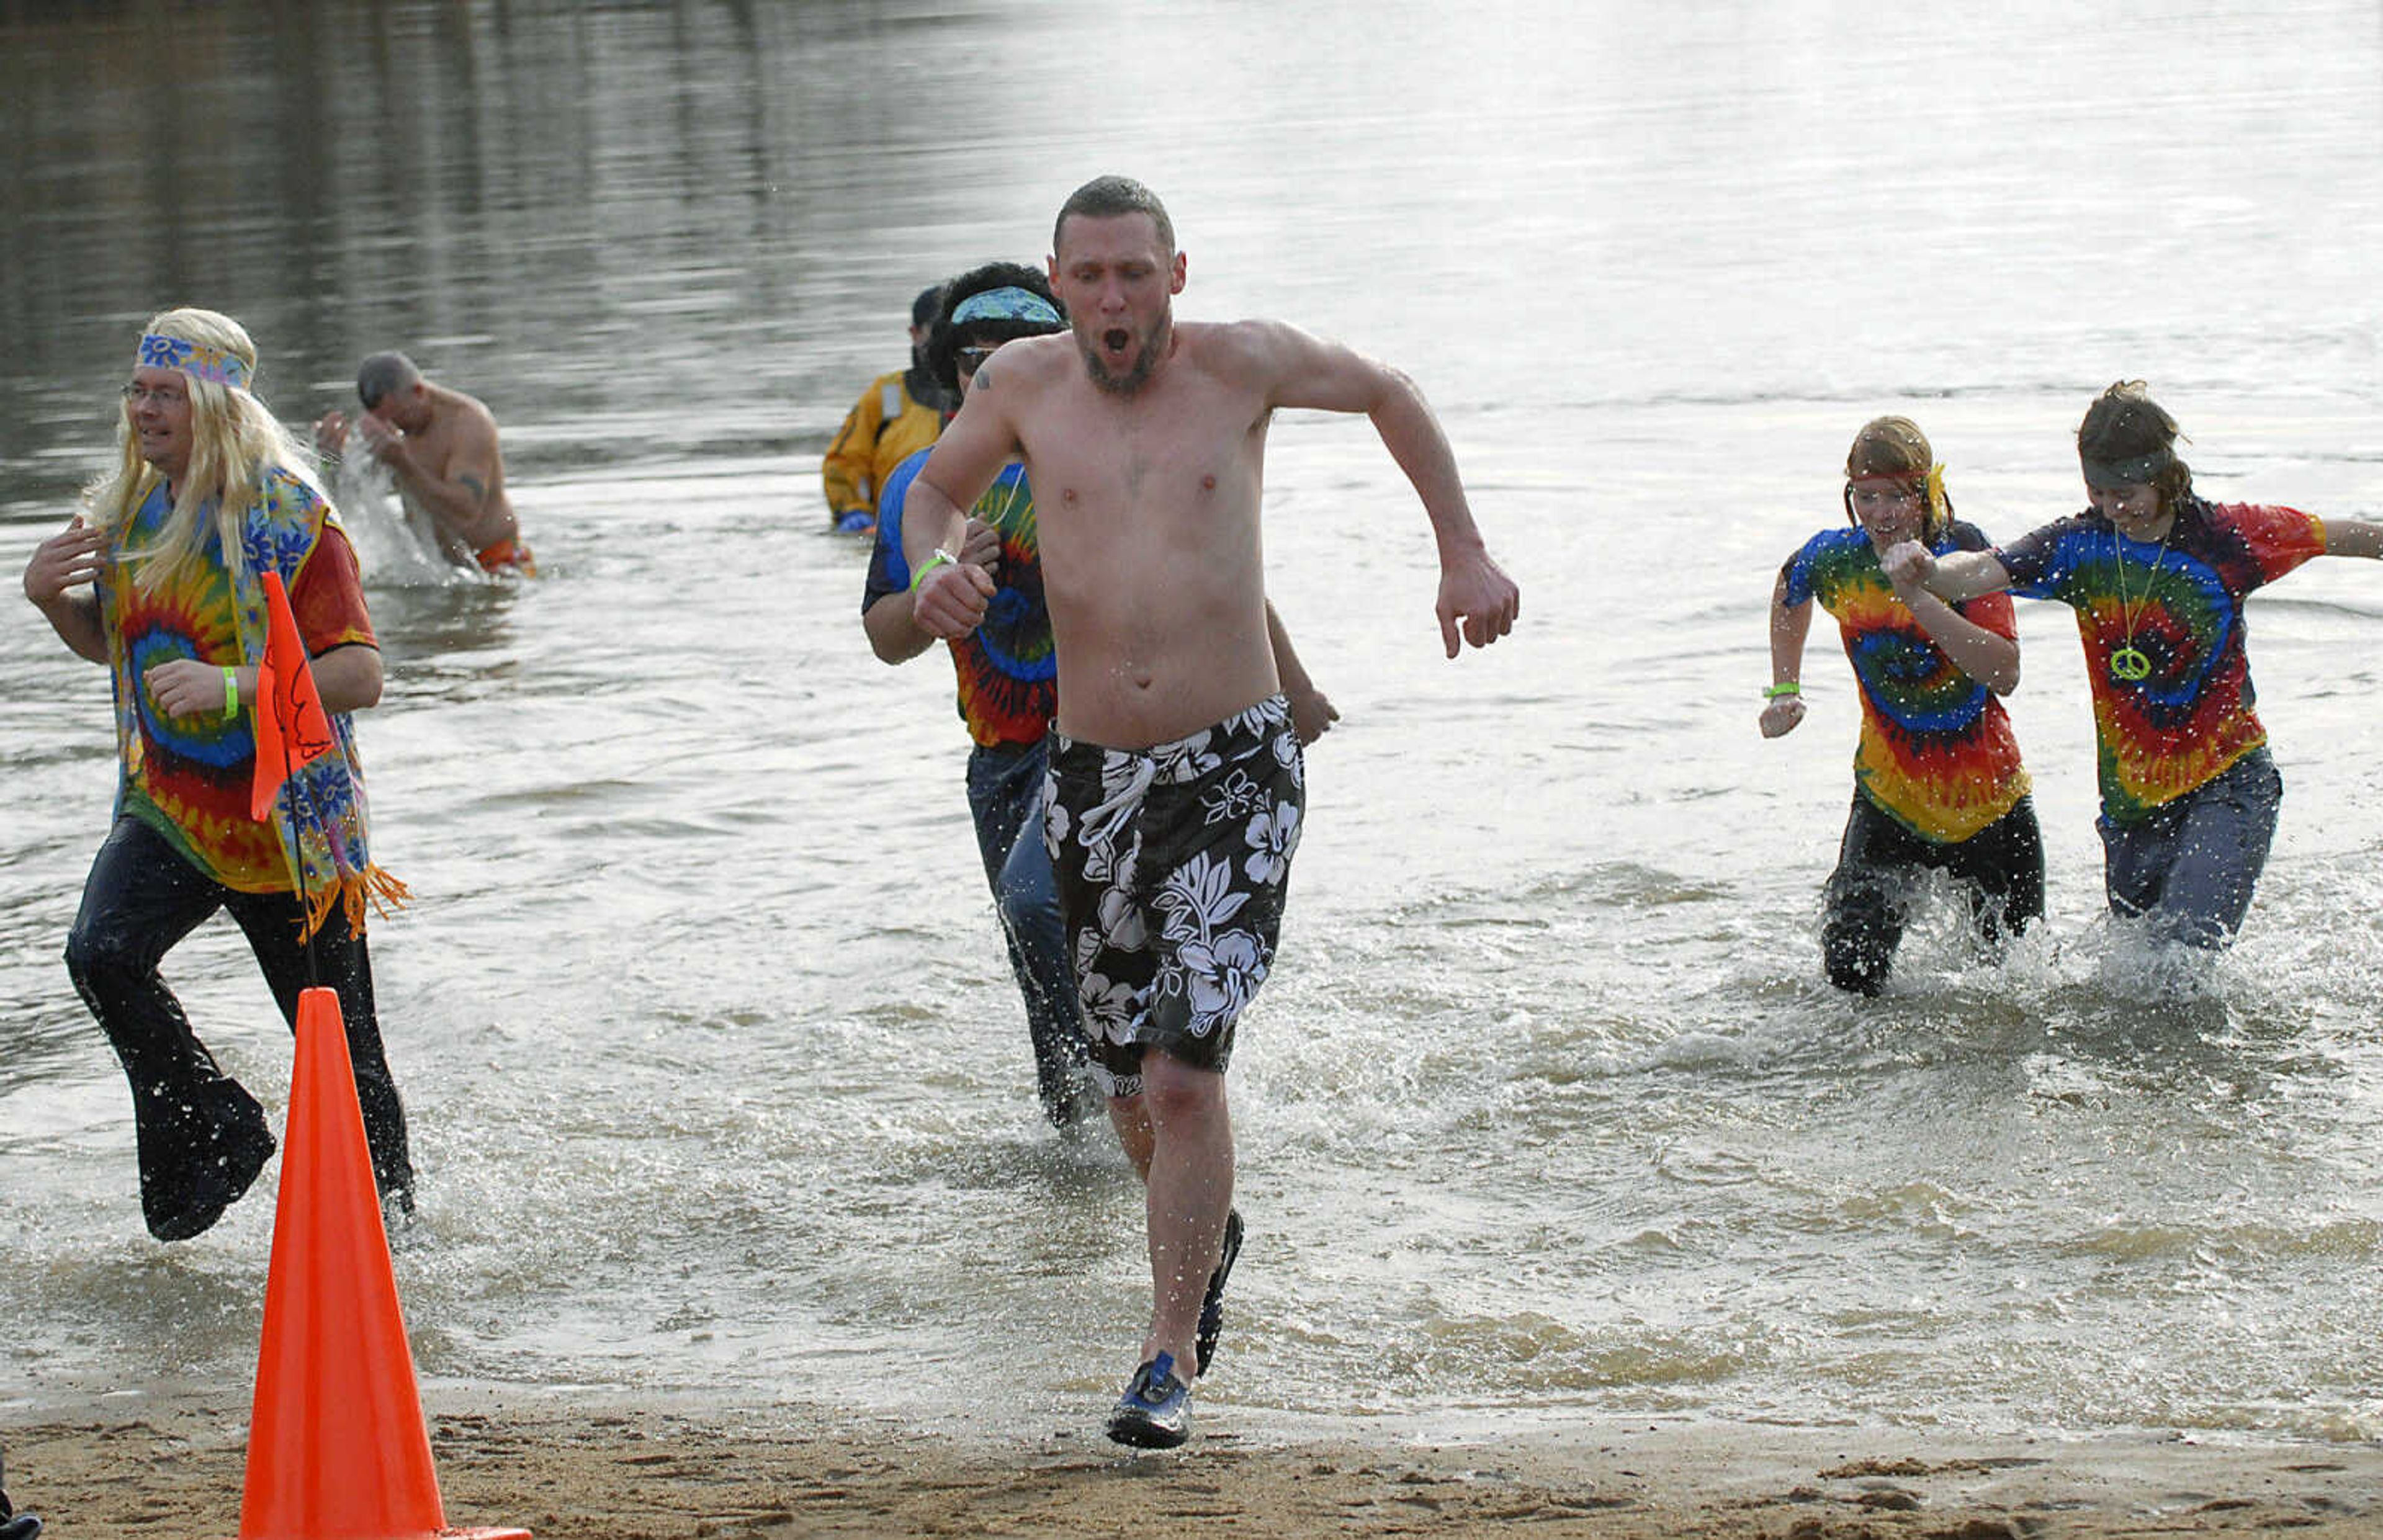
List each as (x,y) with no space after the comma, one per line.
(385,892)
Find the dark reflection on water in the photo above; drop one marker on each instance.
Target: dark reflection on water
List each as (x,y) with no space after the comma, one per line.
(577,212)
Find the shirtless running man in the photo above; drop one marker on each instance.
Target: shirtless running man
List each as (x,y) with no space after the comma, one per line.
(1175,778)
(441,446)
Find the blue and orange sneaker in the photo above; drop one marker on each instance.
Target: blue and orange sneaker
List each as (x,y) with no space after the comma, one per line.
(1156,1411)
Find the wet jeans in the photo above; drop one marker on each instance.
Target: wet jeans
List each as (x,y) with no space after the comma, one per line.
(1999,869)
(200,1134)
(1005,789)
(2190,867)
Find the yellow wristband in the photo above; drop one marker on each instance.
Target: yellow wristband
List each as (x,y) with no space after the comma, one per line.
(941,559)
(231,693)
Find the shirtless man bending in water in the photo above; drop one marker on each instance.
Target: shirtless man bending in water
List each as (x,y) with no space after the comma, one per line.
(441,446)
(1175,785)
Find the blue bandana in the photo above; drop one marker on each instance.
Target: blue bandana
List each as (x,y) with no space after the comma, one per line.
(192,358)
(1007,304)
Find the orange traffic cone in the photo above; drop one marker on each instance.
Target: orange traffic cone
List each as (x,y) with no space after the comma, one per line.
(337,1446)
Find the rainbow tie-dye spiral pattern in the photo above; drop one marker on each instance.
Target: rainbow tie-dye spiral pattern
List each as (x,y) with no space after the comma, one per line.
(188,777)
(2179,603)
(1008,670)
(1938,753)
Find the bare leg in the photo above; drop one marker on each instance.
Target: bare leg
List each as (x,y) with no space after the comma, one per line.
(1131,1121)
(1188,1191)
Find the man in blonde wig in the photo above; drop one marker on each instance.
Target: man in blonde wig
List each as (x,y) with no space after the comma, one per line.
(161,579)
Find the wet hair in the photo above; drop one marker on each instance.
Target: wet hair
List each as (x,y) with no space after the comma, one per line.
(1895,448)
(381,375)
(946,341)
(234,440)
(929,300)
(2125,424)
(1108,197)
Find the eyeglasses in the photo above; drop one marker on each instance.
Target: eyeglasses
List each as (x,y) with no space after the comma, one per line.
(166,396)
(971,359)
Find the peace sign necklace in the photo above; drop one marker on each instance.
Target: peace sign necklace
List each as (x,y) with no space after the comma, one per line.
(2129,664)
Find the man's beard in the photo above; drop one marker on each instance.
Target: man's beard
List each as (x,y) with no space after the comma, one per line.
(1145,359)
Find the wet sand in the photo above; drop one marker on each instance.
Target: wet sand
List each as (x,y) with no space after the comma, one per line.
(173,1466)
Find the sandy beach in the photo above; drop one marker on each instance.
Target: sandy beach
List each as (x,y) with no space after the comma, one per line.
(173,1466)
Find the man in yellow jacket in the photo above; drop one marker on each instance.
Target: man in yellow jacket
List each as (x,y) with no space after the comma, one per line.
(899,415)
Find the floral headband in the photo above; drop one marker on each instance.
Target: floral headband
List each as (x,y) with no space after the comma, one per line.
(194,359)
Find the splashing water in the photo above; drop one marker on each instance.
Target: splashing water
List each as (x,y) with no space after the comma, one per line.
(394,542)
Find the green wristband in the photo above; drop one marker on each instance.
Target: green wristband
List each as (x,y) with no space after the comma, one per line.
(231,693)
(1772,692)
(941,559)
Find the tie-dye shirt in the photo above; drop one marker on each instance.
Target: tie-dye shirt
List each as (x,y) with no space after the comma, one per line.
(1937,754)
(1009,672)
(188,777)
(2180,601)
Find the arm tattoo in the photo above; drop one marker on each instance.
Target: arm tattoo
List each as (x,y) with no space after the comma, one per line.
(472,484)
(983,378)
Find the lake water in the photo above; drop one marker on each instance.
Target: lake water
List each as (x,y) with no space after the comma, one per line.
(719,1081)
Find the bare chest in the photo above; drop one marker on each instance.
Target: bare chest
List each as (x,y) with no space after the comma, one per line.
(1150,477)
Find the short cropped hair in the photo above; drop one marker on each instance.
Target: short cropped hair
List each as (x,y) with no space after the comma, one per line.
(381,374)
(1106,198)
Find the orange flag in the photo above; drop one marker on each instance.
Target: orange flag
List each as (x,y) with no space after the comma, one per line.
(292,727)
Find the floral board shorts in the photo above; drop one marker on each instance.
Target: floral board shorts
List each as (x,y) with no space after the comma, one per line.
(1172,863)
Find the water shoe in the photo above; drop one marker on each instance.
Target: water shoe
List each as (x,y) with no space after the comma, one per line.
(1156,1411)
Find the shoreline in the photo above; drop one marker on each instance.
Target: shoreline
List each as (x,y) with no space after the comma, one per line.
(173,1463)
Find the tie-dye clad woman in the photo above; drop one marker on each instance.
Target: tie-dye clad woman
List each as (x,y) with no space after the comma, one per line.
(1937,779)
(2157,577)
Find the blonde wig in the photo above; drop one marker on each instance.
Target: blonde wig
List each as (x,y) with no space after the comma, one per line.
(233,439)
